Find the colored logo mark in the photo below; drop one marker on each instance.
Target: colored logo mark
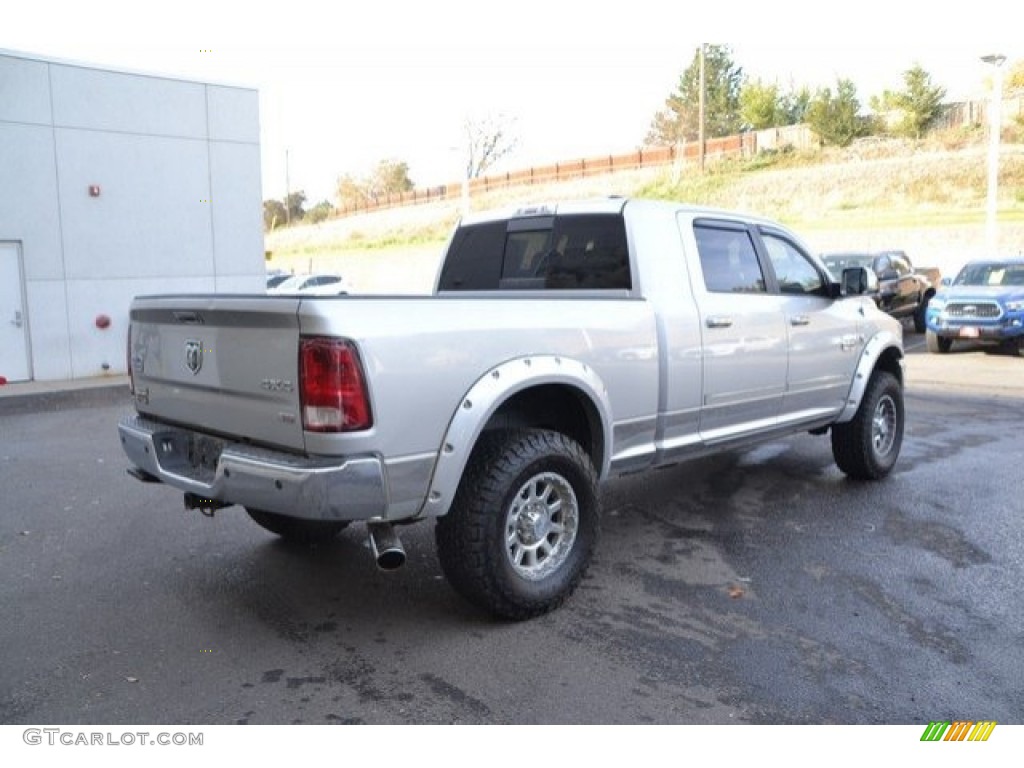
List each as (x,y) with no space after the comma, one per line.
(958,730)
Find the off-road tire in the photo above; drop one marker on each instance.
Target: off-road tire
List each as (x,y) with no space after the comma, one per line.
(1013,347)
(867,447)
(938,344)
(297,530)
(489,524)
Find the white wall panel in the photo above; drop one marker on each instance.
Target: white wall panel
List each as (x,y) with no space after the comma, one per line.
(48,329)
(242,284)
(177,212)
(24,91)
(237,208)
(112,101)
(153,215)
(92,346)
(28,197)
(234,114)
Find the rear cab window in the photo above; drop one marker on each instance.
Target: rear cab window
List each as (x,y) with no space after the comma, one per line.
(560,252)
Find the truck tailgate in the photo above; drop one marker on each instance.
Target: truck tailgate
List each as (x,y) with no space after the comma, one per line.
(221,364)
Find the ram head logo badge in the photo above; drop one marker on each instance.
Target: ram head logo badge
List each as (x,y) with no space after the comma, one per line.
(194,355)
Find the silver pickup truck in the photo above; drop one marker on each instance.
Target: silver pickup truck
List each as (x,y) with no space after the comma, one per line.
(563,345)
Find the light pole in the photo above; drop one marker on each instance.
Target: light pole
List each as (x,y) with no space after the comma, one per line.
(464,154)
(995,123)
(702,108)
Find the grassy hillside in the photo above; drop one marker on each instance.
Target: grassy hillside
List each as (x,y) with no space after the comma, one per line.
(925,197)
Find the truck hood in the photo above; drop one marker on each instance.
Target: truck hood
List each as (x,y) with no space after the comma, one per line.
(982,292)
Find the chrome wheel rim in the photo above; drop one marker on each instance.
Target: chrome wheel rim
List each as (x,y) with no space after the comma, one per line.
(883,426)
(541,526)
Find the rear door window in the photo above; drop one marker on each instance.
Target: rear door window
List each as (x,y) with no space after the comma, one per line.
(728,259)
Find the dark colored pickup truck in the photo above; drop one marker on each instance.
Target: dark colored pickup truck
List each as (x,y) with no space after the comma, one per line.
(903,291)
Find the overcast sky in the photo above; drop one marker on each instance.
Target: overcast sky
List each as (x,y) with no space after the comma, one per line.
(341,88)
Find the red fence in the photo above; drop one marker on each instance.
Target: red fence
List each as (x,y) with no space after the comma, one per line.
(744,144)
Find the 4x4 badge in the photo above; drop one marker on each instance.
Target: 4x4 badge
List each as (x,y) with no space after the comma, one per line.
(193,355)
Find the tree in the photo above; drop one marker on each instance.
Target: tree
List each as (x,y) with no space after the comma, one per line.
(488,140)
(294,202)
(680,120)
(919,104)
(319,212)
(351,192)
(761,106)
(274,214)
(836,118)
(390,177)
(795,105)
(1014,80)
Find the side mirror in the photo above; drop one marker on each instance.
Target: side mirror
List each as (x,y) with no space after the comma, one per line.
(858,281)
(947,281)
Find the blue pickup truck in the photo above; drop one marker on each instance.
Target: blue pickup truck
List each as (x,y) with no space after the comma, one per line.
(984,303)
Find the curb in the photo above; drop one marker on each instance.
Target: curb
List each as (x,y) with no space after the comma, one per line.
(113,393)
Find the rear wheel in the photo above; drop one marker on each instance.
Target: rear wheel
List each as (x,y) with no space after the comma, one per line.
(938,344)
(295,529)
(867,447)
(523,525)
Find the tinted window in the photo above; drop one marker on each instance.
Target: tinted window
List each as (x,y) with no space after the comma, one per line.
(795,273)
(991,274)
(586,252)
(474,258)
(901,265)
(728,260)
(837,262)
(567,253)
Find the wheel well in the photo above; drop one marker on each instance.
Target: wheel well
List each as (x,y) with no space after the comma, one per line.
(558,407)
(890,361)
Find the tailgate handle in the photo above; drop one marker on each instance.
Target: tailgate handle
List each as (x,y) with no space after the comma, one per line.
(188,318)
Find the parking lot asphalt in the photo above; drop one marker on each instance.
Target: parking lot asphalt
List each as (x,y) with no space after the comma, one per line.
(754,587)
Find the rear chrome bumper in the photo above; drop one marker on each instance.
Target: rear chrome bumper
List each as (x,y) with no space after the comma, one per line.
(341,488)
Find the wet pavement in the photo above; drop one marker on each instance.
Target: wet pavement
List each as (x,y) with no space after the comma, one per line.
(754,587)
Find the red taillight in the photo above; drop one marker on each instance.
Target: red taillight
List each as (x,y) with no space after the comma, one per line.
(332,389)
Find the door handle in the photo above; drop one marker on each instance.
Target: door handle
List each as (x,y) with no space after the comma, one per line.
(719,321)
(799,320)
(17,321)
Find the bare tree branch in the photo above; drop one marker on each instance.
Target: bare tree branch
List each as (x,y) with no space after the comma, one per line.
(488,140)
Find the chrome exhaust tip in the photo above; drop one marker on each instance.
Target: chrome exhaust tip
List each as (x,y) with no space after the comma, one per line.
(387,547)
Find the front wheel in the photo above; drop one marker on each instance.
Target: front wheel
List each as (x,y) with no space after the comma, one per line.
(867,447)
(523,525)
(938,344)
(1013,346)
(920,324)
(295,529)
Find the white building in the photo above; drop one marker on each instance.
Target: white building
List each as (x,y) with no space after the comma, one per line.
(115,184)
